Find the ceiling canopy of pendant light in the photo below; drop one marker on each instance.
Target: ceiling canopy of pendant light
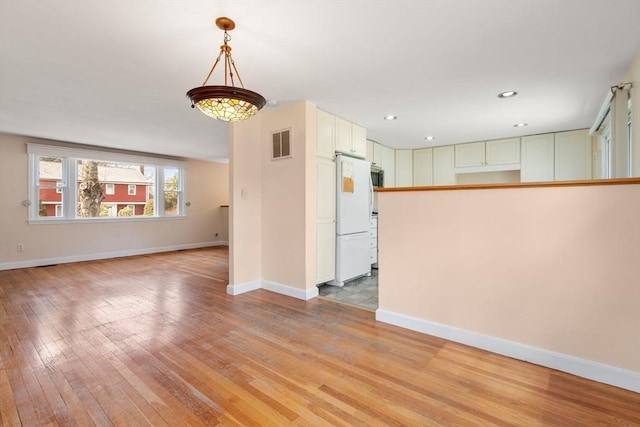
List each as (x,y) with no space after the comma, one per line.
(226,103)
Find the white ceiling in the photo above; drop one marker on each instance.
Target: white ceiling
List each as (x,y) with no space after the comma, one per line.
(115,73)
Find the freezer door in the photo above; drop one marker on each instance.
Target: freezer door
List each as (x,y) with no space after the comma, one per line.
(352,257)
(353,195)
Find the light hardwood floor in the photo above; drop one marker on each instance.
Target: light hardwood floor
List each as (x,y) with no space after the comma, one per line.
(155,340)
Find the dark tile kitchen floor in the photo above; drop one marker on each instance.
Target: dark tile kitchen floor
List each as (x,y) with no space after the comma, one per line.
(360,292)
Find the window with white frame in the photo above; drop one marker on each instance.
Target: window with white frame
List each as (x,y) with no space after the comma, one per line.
(82,184)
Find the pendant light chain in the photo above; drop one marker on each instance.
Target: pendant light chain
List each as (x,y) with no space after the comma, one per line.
(227,54)
(228,63)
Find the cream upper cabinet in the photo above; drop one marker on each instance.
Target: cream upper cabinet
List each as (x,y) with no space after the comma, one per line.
(359,141)
(369,156)
(443,166)
(325,134)
(385,158)
(537,163)
(377,154)
(343,136)
(489,153)
(572,155)
(423,167)
(388,164)
(502,151)
(471,154)
(351,139)
(336,134)
(404,168)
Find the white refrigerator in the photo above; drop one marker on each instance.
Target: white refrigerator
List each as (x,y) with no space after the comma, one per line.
(354,203)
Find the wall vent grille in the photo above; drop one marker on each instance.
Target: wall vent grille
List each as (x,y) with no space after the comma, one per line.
(281,143)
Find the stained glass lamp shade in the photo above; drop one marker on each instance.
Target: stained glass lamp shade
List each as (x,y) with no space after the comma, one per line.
(226,103)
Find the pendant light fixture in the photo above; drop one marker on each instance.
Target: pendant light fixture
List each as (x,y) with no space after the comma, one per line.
(227,103)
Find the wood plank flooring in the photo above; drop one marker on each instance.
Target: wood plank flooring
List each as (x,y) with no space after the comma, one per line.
(155,340)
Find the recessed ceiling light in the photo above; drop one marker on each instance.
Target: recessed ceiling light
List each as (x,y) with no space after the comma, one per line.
(520,125)
(429,138)
(390,117)
(507,94)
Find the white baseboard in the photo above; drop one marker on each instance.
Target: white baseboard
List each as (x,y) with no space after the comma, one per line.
(241,288)
(105,255)
(595,371)
(303,294)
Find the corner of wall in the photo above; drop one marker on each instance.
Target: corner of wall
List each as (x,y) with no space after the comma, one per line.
(245,201)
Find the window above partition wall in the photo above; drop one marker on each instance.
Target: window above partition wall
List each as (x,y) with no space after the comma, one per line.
(70,184)
(614,126)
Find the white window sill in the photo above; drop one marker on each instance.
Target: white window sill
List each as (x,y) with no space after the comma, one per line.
(54,220)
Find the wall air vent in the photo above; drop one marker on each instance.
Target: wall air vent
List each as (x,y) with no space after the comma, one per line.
(281,143)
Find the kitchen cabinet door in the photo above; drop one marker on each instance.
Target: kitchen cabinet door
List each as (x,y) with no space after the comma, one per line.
(423,167)
(537,162)
(502,151)
(489,153)
(373,234)
(358,141)
(369,156)
(325,251)
(443,166)
(471,154)
(343,136)
(325,134)
(404,168)
(388,165)
(325,219)
(572,155)
(377,154)
(350,139)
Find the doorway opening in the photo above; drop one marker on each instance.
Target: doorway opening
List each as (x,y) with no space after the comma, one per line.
(361,292)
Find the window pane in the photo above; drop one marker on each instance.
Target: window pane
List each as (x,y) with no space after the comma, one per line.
(107,189)
(50,186)
(172,187)
(150,175)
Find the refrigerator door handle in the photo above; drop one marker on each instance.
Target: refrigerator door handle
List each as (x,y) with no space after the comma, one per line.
(370,197)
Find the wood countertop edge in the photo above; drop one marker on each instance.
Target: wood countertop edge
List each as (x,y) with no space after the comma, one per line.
(592,182)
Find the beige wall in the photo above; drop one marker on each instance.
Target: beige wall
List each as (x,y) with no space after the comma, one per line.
(555,268)
(285,188)
(245,222)
(206,187)
(273,229)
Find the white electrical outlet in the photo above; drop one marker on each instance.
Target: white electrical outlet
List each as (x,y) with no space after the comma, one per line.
(20,247)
